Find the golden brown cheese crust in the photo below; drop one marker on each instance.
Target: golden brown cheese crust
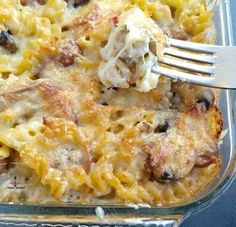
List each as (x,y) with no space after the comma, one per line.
(183,146)
(43,95)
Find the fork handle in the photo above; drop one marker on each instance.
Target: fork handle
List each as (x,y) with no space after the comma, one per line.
(225,75)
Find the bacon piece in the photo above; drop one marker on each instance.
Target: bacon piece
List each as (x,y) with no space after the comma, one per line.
(114,21)
(207,159)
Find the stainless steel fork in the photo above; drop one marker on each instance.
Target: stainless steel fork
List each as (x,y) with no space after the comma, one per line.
(207,65)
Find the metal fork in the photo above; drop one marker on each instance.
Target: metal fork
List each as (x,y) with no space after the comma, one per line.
(207,65)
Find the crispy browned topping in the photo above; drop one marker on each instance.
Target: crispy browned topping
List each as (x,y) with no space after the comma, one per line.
(67,51)
(50,88)
(183,145)
(59,102)
(90,21)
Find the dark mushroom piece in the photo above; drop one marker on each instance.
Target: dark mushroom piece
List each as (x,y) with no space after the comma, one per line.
(192,97)
(206,100)
(162,174)
(162,128)
(167,177)
(26,2)
(77,3)
(7,41)
(113,88)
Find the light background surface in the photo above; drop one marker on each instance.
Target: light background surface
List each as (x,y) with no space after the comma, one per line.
(223,212)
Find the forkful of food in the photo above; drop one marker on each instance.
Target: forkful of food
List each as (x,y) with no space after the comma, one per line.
(138,52)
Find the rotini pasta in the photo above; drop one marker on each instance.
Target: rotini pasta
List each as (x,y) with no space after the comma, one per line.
(67,134)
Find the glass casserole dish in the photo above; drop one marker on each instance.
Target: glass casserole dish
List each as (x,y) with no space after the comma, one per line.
(115,215)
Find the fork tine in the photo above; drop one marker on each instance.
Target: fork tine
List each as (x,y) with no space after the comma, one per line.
(203,48)
(182,76)
(189,56)
(188,66)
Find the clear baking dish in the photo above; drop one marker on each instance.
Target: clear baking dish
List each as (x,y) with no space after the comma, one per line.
(69,215)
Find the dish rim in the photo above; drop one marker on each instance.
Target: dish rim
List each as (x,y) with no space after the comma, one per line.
(184,210)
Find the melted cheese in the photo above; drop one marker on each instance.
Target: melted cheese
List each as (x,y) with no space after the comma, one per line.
(133,48)
(71,138)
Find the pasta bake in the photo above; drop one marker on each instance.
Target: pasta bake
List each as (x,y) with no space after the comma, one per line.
(84,120)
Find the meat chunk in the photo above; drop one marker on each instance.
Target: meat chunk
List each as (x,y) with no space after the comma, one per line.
(178,33)
(185,142)
(67,51)
(174,30)
(7,41)
(169,163)
(3,165)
